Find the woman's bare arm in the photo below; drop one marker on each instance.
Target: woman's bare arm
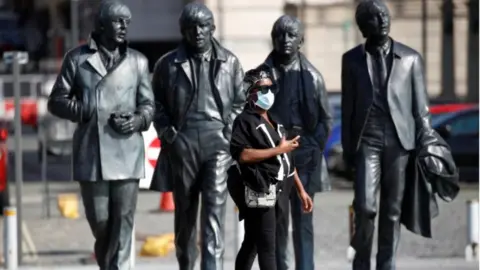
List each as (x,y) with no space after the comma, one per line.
(298,183)
(250,155)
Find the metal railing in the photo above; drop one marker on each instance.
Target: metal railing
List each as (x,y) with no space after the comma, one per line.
(30,85)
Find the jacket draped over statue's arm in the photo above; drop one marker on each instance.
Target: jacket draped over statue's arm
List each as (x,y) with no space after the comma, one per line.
(431,172)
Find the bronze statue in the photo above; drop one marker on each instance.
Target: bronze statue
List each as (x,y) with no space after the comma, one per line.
(301,89)
(198,93)
(384,113)
(104,87)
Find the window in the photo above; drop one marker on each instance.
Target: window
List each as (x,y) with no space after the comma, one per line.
(465,124)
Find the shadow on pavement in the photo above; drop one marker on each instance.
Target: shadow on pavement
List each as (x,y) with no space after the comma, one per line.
(64,252)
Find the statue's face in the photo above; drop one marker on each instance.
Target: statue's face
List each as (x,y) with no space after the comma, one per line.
(198,31)
(287,41)
(378,23)
(115,26)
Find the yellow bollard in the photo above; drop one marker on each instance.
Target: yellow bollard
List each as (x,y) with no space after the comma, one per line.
(158,246)
(68,205)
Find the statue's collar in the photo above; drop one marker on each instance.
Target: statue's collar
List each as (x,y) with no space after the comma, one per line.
(269,61)
(392,46)
(217,52)
(93,45)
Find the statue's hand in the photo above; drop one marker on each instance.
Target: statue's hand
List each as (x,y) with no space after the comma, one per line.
(117,121)
(133,123)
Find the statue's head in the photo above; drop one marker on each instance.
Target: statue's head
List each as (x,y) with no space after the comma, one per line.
(287,35)
(112,21)
(373,19)
(197,26)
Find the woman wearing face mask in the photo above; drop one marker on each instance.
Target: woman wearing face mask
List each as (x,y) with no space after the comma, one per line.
(265,172)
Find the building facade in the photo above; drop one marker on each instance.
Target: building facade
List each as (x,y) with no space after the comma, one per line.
(244,27)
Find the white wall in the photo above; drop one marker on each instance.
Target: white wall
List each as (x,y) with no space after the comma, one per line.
(154,19)
(246,27)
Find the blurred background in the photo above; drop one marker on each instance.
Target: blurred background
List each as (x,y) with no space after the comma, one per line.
(445,32)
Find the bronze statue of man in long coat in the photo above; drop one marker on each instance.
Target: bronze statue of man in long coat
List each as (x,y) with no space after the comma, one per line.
(104,87)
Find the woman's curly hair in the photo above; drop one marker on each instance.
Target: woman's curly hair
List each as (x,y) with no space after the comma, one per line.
(253,76)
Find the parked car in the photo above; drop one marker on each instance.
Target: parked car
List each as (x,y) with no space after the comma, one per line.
(335,102)
(11,36)
(333,149)
(460,131)
(445,108)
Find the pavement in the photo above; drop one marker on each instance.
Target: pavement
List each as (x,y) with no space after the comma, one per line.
(405,264)
(61,243)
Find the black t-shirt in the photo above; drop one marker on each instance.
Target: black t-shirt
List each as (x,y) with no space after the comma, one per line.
(250,130)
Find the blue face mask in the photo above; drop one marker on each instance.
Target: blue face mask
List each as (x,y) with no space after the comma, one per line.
(265,100)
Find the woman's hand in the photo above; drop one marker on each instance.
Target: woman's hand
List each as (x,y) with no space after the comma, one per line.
(307,202)
(286,146)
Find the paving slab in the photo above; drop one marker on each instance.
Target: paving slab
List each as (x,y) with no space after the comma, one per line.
(59,241)
(402,264)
